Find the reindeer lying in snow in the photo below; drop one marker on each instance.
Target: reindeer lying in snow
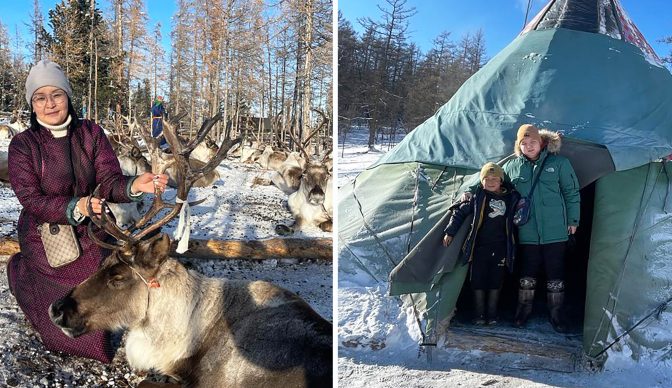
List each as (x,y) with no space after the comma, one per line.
(270,159)
(164,163)
(204,332)
(7,132)
(288,175)
(132,163)
(4,166)
(312,203)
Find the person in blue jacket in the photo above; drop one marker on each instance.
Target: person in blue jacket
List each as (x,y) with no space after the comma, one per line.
(158,112)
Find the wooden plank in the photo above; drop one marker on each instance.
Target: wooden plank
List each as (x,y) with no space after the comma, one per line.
(536,353)
(275,248)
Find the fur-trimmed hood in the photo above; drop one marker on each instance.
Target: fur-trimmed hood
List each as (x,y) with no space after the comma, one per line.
(552,141)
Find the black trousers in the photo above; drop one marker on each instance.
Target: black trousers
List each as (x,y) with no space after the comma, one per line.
(549,257)
(488,266)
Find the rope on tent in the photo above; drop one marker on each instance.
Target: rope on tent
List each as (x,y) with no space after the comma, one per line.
(368,228)
(642,207)
(358,259)
(387,253)
(416,195)
(436,182)
(667,206)
(657,311)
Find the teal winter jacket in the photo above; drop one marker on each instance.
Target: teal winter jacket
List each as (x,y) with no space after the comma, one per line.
(555,201)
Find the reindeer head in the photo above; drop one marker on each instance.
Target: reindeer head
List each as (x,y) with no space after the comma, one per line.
(314,183)
(116,296)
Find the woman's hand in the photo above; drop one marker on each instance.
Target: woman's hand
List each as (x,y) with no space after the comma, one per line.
(146,183)
(447,240)
(571,229)
(96,205)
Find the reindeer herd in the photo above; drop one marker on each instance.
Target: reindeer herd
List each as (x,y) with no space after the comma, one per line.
(305,179)
(204,332)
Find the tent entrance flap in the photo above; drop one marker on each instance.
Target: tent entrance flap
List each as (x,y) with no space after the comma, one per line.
(590,161)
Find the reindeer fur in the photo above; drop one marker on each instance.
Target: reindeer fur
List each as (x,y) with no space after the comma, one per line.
(312,203)
(205,332)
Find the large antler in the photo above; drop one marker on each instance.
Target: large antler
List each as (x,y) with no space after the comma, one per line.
(186,176)
(302,145)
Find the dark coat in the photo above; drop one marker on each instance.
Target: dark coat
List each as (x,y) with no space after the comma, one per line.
(43,177)
(476,205)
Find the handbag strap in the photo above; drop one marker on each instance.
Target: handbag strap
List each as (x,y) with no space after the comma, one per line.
(536,178)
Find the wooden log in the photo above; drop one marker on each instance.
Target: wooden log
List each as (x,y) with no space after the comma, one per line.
(275,248)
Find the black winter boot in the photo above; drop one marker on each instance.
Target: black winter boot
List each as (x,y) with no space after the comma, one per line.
(555,300)
(555,296)
(493,300)
(525,301)
(479,307)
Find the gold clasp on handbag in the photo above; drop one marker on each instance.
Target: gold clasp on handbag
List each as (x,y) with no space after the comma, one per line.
(54,229)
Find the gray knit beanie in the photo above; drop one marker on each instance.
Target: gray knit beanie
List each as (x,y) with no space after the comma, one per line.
(46,73)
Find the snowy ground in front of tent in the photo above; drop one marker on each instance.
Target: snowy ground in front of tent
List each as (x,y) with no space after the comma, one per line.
(231,211)
(378,338)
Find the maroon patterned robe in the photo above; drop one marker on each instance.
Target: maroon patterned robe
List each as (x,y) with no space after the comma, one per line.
(43,178)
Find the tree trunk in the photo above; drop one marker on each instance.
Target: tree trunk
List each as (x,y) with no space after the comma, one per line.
(306,97)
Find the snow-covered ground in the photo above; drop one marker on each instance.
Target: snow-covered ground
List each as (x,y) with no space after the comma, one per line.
(378,338)
(356,155)
(231,211)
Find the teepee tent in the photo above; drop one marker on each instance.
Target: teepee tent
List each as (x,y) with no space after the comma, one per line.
(581,68)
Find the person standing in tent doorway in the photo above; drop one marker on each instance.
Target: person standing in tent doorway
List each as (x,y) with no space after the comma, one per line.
(554,215)
(555,208)
(490,244)
(158,112)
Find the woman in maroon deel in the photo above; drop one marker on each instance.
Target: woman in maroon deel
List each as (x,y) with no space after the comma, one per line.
(54,166)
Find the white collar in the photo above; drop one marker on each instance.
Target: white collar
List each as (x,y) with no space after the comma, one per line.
(57,130)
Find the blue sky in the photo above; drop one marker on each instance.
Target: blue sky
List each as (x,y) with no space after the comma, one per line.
(15,14)
(501,20)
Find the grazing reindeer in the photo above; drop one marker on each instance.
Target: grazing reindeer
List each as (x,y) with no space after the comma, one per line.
(132,163)
(204,332)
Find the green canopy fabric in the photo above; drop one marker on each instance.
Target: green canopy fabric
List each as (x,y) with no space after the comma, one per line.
(588,86)
(613,104)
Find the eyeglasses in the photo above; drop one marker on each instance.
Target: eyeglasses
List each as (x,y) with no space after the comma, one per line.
(58,97)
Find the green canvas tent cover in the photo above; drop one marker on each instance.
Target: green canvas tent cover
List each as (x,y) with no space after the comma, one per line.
(581,68)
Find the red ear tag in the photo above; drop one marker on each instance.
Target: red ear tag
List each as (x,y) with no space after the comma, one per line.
(153,283)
